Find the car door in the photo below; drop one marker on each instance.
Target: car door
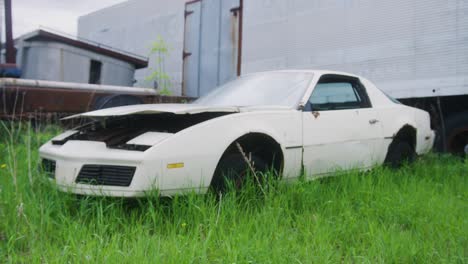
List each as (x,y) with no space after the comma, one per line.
(341,130)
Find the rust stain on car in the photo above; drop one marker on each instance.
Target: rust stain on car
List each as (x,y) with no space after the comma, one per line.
(316,114)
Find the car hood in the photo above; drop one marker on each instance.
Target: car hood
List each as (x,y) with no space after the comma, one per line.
(178,109)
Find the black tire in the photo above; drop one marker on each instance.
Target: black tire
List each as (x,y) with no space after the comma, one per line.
(400,152)
(233,169)
(456,131)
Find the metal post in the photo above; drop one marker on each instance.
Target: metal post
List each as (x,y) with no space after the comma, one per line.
(241,27)
(2,13)
(442,123)
(10,48)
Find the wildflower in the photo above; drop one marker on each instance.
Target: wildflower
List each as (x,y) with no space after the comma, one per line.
(184,225)
(3,166)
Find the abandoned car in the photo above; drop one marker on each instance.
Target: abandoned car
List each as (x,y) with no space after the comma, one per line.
(308,123)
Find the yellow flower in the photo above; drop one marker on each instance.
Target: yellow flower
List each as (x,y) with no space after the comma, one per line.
(3,166)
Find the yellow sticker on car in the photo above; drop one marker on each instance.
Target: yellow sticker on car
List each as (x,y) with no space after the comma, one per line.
(175,165)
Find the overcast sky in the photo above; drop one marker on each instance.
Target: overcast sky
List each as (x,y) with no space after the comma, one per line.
(61,15)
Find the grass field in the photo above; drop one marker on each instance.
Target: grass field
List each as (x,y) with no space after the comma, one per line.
(418,214)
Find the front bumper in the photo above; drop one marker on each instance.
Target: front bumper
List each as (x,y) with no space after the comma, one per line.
(72,157)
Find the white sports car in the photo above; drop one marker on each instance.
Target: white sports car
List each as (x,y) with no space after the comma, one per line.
(295,122)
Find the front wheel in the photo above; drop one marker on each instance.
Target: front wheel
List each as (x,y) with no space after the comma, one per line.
(233,169)
(400,152)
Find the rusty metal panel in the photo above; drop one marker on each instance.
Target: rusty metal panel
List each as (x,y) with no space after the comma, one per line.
(30,101)
(191,54)
(209,45)
(229,40)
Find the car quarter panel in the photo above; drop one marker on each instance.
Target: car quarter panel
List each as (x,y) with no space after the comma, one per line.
(395,116)
(426,136)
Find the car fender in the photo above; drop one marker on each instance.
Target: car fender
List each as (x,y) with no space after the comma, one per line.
(189,158)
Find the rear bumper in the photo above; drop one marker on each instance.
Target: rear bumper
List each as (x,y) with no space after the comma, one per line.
(427,142)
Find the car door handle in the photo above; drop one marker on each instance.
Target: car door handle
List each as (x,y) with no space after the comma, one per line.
(373,121)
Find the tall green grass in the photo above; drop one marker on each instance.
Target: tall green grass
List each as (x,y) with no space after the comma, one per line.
(417,214)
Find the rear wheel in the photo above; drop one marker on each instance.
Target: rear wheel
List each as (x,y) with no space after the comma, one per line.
(234,169)
(400,152)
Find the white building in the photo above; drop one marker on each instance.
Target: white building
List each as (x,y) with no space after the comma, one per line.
(45,55)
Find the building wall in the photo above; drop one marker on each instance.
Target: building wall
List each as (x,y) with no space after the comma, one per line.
(133,26)
(411,48)
(59,62)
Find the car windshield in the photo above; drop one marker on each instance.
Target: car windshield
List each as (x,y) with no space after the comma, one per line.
(261,89)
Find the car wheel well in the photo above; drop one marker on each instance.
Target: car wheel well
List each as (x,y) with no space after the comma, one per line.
(262,146)
(407,134)
(402,148)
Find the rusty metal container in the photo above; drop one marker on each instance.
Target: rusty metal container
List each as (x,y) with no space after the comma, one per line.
(26,99)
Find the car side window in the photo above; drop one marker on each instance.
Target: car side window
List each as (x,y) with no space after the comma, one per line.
(338,93)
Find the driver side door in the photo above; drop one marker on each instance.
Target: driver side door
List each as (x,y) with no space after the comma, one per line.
(341,130)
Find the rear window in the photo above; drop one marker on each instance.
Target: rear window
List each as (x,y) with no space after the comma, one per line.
(391,98)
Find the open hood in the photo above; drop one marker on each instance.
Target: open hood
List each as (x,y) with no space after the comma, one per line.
(178,109)
(138,127)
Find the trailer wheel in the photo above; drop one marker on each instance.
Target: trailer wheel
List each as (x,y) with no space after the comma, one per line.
(115,101)
(456,129)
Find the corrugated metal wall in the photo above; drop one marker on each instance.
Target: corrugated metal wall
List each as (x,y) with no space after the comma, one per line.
(410,48)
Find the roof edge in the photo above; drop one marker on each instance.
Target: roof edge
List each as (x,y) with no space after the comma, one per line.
(138,61)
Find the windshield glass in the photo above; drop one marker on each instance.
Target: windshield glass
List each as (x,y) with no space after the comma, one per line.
(261,89)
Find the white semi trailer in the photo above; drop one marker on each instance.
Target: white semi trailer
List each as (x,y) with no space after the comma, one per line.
(414,50)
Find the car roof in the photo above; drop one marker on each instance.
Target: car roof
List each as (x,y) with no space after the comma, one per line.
(317,72)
